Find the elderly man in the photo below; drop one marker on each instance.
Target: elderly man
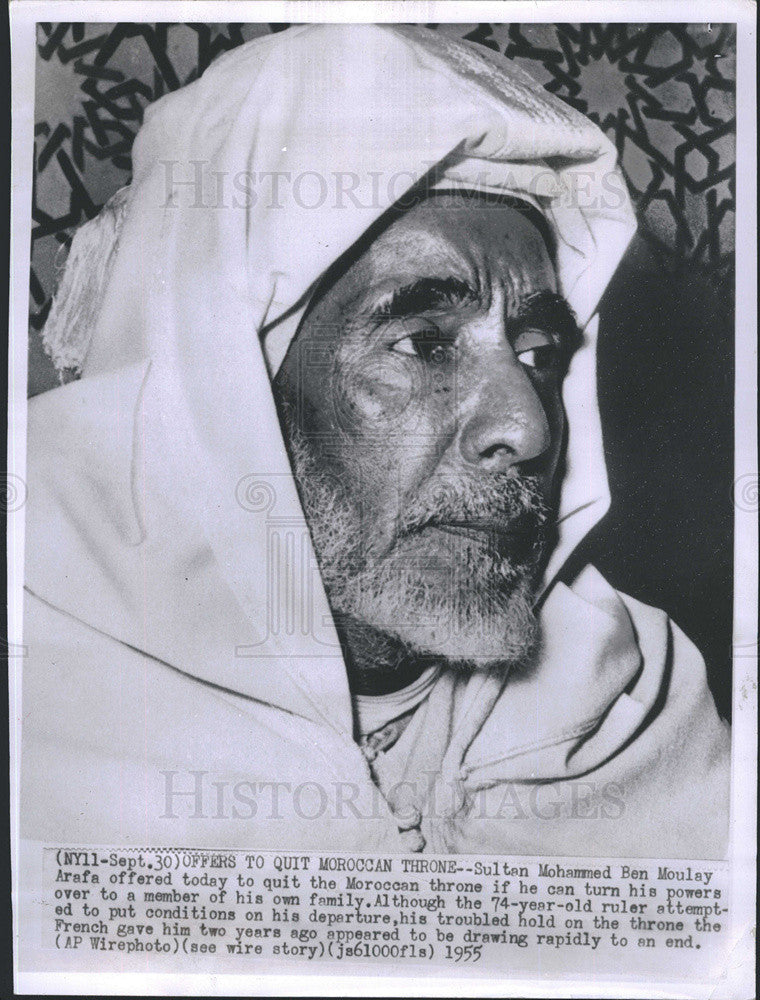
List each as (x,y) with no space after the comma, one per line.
(297,538)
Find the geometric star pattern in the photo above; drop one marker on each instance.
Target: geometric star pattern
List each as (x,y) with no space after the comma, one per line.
(663,93)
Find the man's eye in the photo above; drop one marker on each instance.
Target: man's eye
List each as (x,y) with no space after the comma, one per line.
(426,344)
(541,358)
(537,350)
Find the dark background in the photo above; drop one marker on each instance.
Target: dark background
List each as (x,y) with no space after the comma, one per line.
(665,94)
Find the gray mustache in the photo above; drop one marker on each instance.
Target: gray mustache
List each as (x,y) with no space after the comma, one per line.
(508,502)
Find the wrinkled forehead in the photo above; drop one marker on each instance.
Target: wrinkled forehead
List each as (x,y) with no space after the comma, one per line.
(478,241)
(471,218)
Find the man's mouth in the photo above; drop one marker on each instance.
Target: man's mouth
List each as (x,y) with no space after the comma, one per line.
(507,538)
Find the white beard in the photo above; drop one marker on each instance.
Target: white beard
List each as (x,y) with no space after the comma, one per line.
(438,593)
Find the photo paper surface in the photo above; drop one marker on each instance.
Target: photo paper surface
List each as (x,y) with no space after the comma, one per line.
(382,494)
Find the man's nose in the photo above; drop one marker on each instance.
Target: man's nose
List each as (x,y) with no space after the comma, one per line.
(504,421)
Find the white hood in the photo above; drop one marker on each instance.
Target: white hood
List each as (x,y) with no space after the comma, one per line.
(160,477)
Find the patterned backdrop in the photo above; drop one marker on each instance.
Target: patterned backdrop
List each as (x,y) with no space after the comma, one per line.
(665,95)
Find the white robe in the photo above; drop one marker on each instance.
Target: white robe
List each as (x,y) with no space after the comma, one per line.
(613,749)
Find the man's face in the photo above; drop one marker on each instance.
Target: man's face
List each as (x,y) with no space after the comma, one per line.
(421,403)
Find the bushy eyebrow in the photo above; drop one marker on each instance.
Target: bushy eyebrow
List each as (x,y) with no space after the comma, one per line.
(550,312)
(422,295)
